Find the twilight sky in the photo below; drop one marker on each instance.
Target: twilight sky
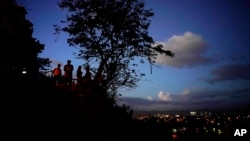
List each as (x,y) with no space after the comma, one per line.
(211,42)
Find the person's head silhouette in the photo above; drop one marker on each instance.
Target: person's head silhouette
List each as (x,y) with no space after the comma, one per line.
(68,61)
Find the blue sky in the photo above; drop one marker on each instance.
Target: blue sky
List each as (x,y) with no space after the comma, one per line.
(210,39)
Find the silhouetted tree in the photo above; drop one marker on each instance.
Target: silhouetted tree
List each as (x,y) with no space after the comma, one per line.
(19,50)
(113,34)
(44,66)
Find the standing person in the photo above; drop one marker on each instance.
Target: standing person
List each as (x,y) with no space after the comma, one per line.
(57,74)
(68,69)
(87,80)
(79,74)
(87,76)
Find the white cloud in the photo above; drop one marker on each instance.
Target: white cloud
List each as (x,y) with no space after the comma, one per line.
(150,98)
(189,50)
(164,96)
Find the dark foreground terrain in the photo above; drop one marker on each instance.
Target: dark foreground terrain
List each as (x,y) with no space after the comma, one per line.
(40,110)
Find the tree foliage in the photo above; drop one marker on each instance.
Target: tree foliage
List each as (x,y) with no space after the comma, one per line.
(44,64)
(19,50)
(112,34)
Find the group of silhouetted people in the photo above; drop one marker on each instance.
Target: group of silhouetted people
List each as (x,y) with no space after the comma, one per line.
(67,77)
(80,77)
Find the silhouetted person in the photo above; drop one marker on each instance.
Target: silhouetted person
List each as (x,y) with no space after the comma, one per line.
(79,74)
(87,85)
(87,76)
(68,69)
(57,74)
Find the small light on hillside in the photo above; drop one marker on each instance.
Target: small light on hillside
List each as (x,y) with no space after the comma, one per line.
(24,71)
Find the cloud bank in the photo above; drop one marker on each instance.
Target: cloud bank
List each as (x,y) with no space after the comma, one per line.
(191,100)
(189,49)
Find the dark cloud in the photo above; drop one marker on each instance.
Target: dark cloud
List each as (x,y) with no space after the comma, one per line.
(235,71)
